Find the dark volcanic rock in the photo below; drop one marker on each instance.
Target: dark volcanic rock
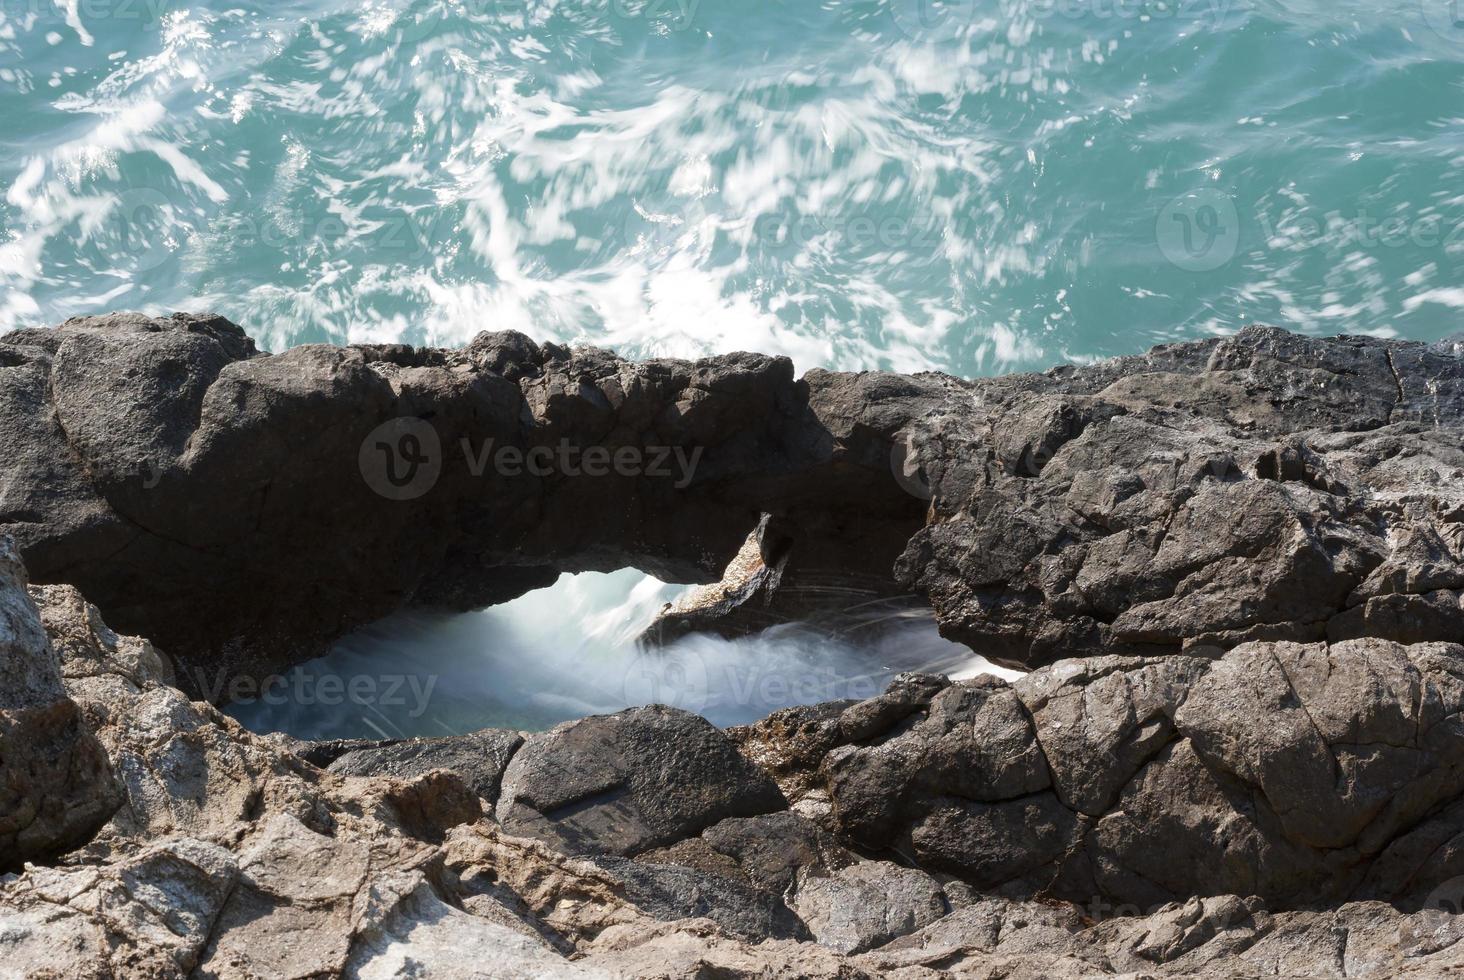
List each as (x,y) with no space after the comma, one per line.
(239,509)
(242,510)
(1300,773)
(625,783)
(1256,487)
(669,892)
(782,861)
(478,758)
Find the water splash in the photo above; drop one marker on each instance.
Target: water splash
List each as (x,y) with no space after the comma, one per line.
(570,651)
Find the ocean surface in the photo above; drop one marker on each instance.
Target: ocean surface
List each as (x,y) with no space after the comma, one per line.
(975,187)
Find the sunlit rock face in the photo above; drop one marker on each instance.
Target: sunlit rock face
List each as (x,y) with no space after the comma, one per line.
(56,785)
(1303,774)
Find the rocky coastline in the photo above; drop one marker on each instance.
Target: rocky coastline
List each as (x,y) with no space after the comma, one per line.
(1233,567)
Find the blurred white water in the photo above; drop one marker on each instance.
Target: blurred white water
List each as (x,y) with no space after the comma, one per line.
(569,651)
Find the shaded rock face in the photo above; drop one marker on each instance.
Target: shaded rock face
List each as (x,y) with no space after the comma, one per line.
(243,509)
(56,785)
(1300,773)
(1264,486)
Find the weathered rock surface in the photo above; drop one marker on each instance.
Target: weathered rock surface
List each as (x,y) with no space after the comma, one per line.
(1298,773)
(232,857)
(1255,770)
(56,786)
(625,783)
(167,469)
(1264,486)
(478,758)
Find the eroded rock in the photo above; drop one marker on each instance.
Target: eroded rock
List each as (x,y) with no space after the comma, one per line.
(479,758)
(1258,775)
(1263,486)
(1299,773)
(56,785)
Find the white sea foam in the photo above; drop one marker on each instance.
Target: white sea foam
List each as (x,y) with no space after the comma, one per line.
(569,651)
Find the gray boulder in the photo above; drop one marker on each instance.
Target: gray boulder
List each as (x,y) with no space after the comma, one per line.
(1299,773)
(625,783)
(478,758)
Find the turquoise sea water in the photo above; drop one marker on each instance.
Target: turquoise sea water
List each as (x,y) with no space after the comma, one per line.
(975,186)
(971,186)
